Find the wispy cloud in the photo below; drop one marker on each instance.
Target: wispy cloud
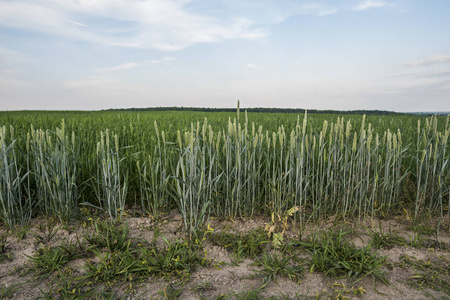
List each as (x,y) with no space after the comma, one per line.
(167,60)
(77,23)
(425,74)
(435,59)
(152,24)
(371,4)
(122,67)
(253,66)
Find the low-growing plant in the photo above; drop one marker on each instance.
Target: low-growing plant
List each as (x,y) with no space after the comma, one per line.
(433,274)
(179,258)
(275,264)
(4,254)
(341,291)
(385,240)
(250,294)
(8,292)
(108,234)
(21,232)
(416,240)
(50,259)
(112,266)
(69,289)
(170,292)
(250,244)
(203,286)
(47,231)
(278,226)
(335,256)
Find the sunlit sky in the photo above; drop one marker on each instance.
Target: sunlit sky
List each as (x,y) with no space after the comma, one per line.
(342,55)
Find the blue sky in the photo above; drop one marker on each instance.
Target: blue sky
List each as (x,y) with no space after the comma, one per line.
(350,54)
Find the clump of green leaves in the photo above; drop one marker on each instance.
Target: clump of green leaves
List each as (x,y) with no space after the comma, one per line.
(179,258)
(8,292)
(4,247)
(276,264)
(47,231)
(250,244)
(386,240)
(433,274)
(68,289)
(170,292)
(112,266)
(50,259)
(335,256)
(108,234)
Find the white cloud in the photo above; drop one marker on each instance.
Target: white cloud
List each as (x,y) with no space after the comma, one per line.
(151,24)
(371,4)
(77,23)
(436,59)
(122,67)
(167,60)
(269,12)
(253,66)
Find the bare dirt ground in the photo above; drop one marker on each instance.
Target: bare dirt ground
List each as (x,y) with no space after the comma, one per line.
(223,278)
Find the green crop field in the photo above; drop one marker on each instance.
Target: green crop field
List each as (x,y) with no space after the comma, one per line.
(221,164)
(153,204)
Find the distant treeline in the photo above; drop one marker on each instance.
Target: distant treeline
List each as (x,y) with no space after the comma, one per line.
(261,110)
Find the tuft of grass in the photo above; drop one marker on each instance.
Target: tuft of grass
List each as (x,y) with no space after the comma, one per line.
(386,240)
(70,290)
(21,232)
(4,253)
(8,292)
(178,259)
(50,259)
(251,294)
(112,266)
(108,234)
(203,286)
(250,245)
(433,274)
(170,292)
(335,256)
(47,231)
(276,264)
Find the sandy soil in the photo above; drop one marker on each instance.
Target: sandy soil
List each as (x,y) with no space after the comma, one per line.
(212,282)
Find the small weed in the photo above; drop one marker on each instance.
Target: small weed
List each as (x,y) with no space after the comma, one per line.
(68,290)
(21,232)
(170,292)
(108,235)
(275,264)
(178,259)
(433,274)
(49,259)
(203,286)
(4,254)
(335,256)
(341,291)
(250,295)
(278,225)
(8,292)
(386,240)
(416,240)
(249,245)
(48,231)
(424,228)
(113,266)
